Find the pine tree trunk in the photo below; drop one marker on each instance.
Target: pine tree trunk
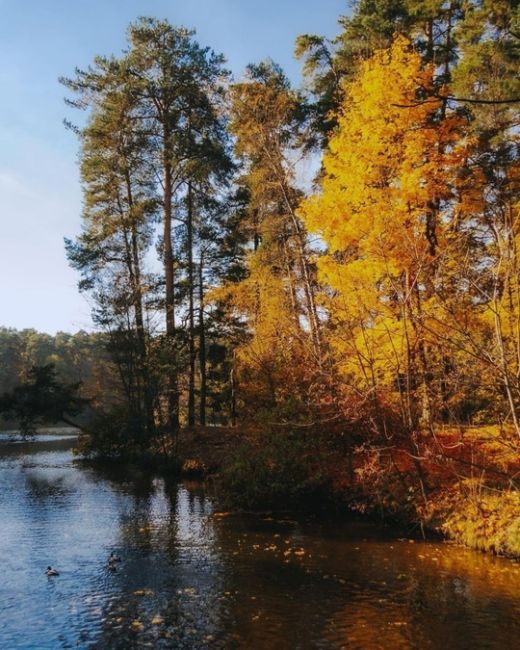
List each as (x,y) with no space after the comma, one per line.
(233,392)
(133,382)
(288,263)
(137,295)
(173,392)
(191,315)
(308,290)
(202,346)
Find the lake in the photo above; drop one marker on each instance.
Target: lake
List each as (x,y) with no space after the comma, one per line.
(193,577)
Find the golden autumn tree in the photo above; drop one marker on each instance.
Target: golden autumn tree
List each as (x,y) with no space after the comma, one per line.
(277,298)
(385,213)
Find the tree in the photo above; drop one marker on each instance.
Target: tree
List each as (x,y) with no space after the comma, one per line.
(329,64)
(278,295)
(119,206)
(267,124)
(487,77)
(42,399)
(385,213)
(178,84)
(155,139)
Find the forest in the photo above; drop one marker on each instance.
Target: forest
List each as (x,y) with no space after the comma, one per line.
(327,277)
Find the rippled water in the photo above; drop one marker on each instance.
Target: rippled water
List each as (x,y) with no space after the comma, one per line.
(192,578)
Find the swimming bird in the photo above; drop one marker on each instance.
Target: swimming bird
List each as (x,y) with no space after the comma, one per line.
(113,558)
(51,572)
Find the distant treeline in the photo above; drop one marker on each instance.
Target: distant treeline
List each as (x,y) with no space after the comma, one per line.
(90,360)
(80,357)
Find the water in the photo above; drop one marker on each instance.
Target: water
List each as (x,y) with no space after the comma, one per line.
(192,578)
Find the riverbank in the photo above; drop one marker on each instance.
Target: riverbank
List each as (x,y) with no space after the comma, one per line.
(457,483)
(465,491)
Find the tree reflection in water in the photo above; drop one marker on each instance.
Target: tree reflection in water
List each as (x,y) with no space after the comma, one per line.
(191,577)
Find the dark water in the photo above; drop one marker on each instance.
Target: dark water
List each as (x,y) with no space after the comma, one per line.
(191,578)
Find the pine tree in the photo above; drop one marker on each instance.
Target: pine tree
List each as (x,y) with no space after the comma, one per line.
(119,206)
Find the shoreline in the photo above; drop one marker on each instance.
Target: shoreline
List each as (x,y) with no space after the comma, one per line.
(480,517)
(483,520)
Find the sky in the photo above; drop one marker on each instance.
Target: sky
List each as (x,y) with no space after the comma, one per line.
(40,194)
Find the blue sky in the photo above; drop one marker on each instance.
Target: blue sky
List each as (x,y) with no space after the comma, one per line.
(40,197)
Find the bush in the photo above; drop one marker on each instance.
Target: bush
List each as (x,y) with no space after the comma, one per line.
(108,434)
(487,520)
(281,470)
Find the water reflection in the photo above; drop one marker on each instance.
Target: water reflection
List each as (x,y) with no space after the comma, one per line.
(193,578)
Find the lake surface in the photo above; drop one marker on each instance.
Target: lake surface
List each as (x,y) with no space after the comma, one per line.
(192,577)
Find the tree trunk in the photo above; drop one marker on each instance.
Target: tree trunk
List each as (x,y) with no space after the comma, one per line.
(202,346)
(191,316)
(288,263)
(134,378)
(233,391)
(137,295)
(173,391)
(308,290)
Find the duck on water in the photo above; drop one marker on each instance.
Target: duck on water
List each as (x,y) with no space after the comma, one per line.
(111,565)
(112,562)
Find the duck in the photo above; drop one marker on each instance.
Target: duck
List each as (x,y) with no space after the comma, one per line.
(113,558)
(51,572)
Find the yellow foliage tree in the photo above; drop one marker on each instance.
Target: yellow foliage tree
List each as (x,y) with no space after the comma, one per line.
(385,213)
(276,299)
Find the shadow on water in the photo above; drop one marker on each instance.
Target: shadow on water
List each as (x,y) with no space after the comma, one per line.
(192,577)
